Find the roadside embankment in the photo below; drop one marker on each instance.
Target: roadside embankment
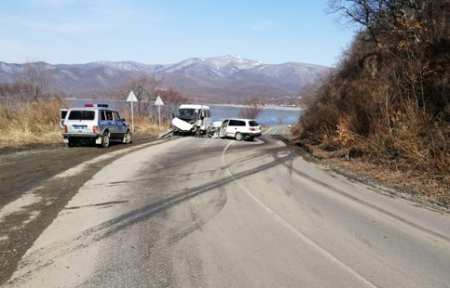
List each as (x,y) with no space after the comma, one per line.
(426,188)
(386,107)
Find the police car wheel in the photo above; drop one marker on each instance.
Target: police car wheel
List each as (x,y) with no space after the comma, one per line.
(127,138)
(70,143)
(106,140)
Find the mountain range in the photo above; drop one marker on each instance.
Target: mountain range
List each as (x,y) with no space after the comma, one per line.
(225,79)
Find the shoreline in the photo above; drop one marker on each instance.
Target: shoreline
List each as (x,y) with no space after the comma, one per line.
(268,106)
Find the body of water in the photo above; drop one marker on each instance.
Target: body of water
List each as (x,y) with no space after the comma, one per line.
(268,116)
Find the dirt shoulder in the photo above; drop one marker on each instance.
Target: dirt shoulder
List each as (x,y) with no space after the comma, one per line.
(431,192)
(33,193)
(25,167)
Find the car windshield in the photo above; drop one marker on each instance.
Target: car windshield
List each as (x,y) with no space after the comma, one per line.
(253,123)
(187,113)
(81,115)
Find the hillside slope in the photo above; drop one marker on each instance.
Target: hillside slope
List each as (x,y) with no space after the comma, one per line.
(388,103)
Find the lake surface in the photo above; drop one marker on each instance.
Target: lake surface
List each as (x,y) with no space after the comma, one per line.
(269,116)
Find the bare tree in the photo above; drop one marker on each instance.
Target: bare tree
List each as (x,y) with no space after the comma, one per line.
(144,87)
(251,110)
(38,77)
(171,96)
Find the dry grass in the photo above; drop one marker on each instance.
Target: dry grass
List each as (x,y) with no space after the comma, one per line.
(413,154)
(147,127)
(30,123)
(421,185)
(427,185)
(38,123)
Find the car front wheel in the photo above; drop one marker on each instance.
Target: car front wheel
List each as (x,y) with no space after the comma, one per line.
(127,138)
(238,136)
(70,143)
(106,140)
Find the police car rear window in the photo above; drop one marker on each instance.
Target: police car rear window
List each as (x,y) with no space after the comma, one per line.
(81,115)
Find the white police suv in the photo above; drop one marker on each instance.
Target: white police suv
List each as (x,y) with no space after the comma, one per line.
(95,123)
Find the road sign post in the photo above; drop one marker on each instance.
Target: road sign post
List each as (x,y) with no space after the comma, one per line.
(159,116)
(131,99)
(159,102)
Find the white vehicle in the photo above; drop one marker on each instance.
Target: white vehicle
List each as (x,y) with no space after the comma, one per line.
(240,129)
(192,119)
(95,123)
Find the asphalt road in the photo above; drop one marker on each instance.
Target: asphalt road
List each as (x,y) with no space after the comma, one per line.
(195,212)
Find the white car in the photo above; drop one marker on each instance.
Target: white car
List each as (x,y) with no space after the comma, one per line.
(240,129)
(95,123)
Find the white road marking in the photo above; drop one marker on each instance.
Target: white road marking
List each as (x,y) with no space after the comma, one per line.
(296,232)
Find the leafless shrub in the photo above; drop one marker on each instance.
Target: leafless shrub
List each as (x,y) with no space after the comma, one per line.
(144,87)
(172,96)
(38,77)
(251,110)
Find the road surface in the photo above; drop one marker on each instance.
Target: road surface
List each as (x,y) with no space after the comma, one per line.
(195,212)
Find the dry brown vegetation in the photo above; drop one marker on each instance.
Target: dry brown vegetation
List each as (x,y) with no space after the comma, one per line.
(146,126)
(30,122)
(146,89)
(251,110)
(388,102)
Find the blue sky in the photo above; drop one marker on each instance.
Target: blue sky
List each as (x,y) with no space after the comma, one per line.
(160,32)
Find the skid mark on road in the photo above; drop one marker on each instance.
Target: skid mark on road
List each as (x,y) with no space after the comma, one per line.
(45,257)
(296,232)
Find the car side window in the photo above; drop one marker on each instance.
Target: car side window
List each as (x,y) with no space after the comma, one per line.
(109,115)
(102,115)
(116,116)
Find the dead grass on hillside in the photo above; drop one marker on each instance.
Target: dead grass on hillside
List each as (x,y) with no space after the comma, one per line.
(29,123)
(387,102)
(147,126)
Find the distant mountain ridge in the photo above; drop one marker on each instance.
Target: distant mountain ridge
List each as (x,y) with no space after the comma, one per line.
(217,79)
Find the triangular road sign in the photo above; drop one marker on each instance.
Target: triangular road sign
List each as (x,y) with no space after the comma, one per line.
(158,101)
(132,97)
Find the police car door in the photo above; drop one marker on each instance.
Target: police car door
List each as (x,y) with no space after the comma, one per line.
(109,122)
(102,120)
(119,124)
